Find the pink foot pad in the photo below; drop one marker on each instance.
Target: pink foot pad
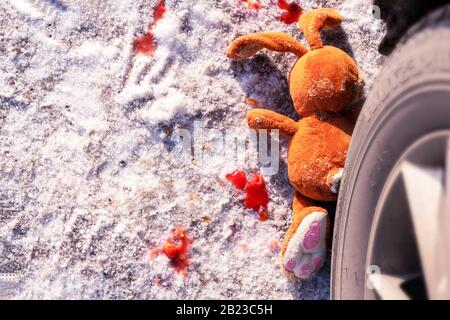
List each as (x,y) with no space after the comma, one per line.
(304,272)
(312,237)
(306,250)
(290,265)
(317,263)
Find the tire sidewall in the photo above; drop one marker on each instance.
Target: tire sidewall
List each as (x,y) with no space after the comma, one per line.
(403,105)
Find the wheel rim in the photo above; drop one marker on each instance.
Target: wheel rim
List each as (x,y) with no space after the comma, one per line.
(409,244)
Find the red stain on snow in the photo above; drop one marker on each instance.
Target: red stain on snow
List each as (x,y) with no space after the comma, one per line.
(243,246)
(176,248)
(256,195)
(252,4)
(146,44)
(238,179)
(292,14)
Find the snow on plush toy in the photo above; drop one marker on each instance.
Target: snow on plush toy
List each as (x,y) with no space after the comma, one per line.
(322,83)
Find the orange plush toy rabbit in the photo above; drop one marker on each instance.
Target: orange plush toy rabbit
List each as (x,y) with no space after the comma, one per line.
(322,83)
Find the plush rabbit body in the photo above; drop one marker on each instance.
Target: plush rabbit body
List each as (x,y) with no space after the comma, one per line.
(322,83)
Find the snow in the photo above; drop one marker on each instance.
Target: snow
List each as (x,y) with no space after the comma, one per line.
(89,184)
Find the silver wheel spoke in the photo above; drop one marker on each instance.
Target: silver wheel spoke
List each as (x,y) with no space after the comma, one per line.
(388,287)
(410,233)
(443,249)
(425,190)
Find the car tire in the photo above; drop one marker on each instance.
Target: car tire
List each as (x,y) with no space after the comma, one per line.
(408,104)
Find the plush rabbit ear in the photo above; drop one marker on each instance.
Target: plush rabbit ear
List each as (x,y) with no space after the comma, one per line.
(319,19)
(246,46)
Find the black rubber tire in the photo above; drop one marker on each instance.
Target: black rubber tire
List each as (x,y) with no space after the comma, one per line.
(410,99)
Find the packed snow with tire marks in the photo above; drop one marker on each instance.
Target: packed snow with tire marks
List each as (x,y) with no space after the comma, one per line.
(88,186)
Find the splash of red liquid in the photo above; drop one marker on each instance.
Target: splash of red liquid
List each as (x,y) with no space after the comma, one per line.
(238,179)
(146,44)
(256,195)
(176,248)
(252,4)
(292,14)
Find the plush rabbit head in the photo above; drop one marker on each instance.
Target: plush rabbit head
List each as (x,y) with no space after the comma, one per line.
(324,78)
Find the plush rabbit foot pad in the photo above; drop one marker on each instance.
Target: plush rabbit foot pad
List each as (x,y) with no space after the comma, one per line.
(306,251)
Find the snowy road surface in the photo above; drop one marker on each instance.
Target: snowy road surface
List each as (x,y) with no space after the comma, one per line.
(87,183)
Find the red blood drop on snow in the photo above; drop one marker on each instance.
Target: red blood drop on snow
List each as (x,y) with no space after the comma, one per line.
(238,179)
(292,14)
(252,4)
(256,195)
(176,248)
(146,44)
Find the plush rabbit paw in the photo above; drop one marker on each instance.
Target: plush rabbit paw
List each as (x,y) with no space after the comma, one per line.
(335,181)
(306,251)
